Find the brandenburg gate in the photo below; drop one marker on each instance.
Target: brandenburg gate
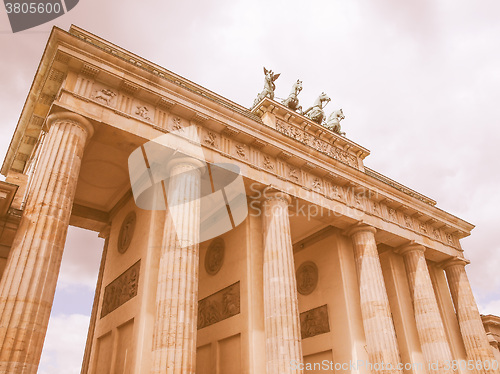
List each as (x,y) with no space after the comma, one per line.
(236,240)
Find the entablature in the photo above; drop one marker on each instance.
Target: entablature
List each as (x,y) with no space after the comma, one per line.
(105,84)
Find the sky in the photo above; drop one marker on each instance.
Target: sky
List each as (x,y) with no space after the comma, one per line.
(418,81)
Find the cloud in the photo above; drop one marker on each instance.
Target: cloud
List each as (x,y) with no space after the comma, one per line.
(64,344)
(81,259)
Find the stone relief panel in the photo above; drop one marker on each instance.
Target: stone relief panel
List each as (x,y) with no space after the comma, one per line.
(408,221)
(240,150)
(126,232)
(335,192)
(219,306)
(318,144)
(268,163)
(317,184)
(293,174)
(314,322)
(214,258)
(176,124)
(121,290)
(307,277)
(210,139)
(143,112)
(104,96)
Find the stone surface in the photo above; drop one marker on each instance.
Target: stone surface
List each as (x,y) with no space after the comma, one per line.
(174,341)
(431,332)
(219,306)
(381,340)
(314,322)
(121,290)
(271,145)
(469,319)
(281,313)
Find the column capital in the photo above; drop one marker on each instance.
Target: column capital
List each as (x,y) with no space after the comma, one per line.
(71,117)
(360,227)
(273,194)
(402,250)
(195,163)
(454,261)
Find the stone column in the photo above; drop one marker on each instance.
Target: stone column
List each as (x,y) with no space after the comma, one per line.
(29,282)
(430,326)
(471,326)
(380,336)
(174,342)
(281,309)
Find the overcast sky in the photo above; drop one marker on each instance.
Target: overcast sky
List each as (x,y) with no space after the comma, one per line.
(419,83)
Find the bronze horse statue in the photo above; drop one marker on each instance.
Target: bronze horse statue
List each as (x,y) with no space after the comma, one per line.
(269,86)
(333,122)
(292,101)
(316,112)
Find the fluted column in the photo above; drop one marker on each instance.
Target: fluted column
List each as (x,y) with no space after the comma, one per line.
(430,326)
(174,342)
(375,310)
(29,282)
(281,310)
(471,326)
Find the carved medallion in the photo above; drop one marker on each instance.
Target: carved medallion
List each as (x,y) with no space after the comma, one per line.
(307,278)
(215,256)
(126,232)
(314,322)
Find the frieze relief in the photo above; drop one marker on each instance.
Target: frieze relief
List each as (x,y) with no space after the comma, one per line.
(318,144)
(176,124)
(121,290)
(240,151)
(267,163)
(210,139)
(219,306)
(143,111)
(314,322)
(293,174)
(412,223)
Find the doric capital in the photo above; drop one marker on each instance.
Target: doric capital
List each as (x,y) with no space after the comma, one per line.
(71,117)
(192,162)
(453,262)
(409,248)
(361,227)
(270,194)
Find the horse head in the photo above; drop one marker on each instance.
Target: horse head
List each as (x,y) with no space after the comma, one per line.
(323,98)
